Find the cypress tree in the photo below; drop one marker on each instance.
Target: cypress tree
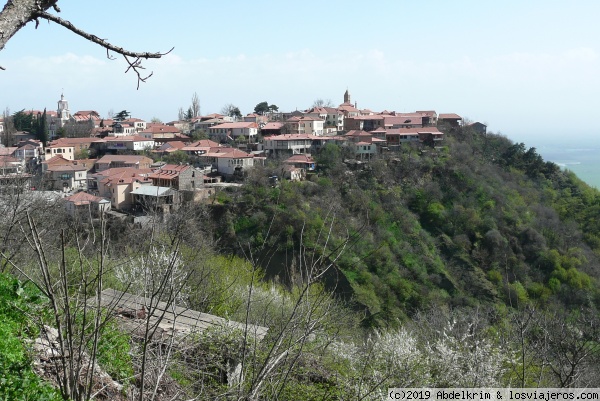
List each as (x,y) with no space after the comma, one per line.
(43,129)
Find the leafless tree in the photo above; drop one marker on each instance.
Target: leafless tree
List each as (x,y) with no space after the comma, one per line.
(8,128)
(304,317)
(195,105)
(322,103)
(570,348)
(18,13)
(231,110)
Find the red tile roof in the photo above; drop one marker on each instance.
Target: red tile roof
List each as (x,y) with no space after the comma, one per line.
(227,153)
(237,125)
(83,198)
(449,116)
(303,158)
(68,167)
(160,129)
(291,137)
(125,176)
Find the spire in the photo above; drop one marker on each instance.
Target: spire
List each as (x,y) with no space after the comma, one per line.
(347,96)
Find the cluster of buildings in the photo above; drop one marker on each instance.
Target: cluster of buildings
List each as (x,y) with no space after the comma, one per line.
(105,164)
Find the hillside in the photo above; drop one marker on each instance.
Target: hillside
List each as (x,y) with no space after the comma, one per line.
(478,221)
(470,264)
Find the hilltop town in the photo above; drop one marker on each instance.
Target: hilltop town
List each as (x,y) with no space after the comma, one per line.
(302,249)
(124,164)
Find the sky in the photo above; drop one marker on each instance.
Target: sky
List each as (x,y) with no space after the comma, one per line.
(528,69)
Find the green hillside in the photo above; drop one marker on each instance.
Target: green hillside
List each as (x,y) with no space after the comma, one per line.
(471,264)
(477,221)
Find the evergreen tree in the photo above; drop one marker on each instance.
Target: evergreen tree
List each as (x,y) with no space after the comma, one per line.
(43,128)
(122,115)
(23,121)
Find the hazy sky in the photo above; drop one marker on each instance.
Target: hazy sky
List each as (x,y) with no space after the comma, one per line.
(529,69)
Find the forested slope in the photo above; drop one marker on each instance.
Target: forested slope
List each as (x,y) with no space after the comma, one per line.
(472,264)
(480,220)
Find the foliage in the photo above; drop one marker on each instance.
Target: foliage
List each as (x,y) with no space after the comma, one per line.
(231,111)
(17,379)
(22,121)
(264,107)
(177,157)
(482,221)
(122,115)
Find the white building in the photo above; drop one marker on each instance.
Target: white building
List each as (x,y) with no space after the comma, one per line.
(289,144)
(232,131)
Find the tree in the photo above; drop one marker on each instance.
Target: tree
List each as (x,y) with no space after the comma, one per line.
(177,157)
(9,128)
(195,106)
(231,111)
(261,108)
(322,103)
(122,115)
(18,13)
(41,128)
(22,121)
(189,114)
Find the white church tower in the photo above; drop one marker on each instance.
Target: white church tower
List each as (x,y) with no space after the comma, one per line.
(63,110)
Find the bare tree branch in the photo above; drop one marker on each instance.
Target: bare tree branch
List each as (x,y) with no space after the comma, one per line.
(96,39)
(135,63)
(16,14)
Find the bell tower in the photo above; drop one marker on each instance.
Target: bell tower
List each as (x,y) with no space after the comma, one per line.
(347,97)
(63,108)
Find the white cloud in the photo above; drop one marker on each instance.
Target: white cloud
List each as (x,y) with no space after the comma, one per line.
(505,89)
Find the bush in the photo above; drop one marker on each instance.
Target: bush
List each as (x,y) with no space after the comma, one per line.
(17,379)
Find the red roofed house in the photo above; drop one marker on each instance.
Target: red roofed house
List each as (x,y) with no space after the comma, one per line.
(138,124)
(403,120)
(333,117)
(179,177)
(129,142)
(160,131)
(451,119)
(233,131)
(200,147)
(255,118)
(363,123)
(304,161)
(60,149)
(306,125)
(430,117)
(83,203)
(65,175)
(170,147)
(478,127)
(80,146)
(113,161)
(397,136)
(29,150)
(364,150)
(289,144)
(228,161)
(118,184)
(272,128)
(13,179)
